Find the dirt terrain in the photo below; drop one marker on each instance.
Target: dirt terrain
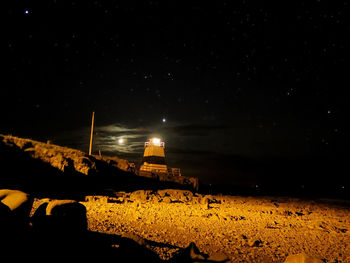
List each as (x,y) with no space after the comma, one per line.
(245,229)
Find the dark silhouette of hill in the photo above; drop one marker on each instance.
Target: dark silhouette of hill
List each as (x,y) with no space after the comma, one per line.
(50,170)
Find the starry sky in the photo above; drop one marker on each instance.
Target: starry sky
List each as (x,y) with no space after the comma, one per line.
(232,87)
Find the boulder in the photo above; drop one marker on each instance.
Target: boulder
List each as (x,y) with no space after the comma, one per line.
(193,254)
(60,216)
(176,195)
(302,258)
(140,195)
(256,243)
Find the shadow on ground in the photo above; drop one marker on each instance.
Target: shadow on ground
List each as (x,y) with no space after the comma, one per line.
(58,231)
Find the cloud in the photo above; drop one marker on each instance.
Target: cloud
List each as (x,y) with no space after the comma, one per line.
(118,129)
(178,138)
(106,138)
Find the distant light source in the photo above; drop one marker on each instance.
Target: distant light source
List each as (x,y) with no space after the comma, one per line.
(26,12)
(163,120)
(156,141)
(121,141)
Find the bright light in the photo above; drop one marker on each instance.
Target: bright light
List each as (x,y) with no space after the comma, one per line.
(121,141)
(156,141)
(163,120)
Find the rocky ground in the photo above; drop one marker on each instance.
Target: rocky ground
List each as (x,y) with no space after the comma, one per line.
(246,229)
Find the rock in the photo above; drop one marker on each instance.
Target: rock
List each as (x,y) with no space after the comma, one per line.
(302,258)
(60,216)
(56,203)
(176,195)
(189,254)
(256,243)
(96,198)
(117,200)
(13,199)
(218,257)
(193,254)
(205,200)
(289,213)
(167,200)
(140,195)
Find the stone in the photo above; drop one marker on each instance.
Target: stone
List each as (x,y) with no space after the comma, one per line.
(218,257)
(193,254)
(256,243)
(302,258)
(60,216)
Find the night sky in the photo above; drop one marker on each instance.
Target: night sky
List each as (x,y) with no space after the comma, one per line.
(238,90)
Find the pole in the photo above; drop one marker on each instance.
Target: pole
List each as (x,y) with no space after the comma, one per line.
(92,131)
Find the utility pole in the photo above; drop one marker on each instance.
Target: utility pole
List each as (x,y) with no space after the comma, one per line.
(92,131)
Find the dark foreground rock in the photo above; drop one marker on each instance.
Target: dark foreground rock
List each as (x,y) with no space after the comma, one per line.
(302,258)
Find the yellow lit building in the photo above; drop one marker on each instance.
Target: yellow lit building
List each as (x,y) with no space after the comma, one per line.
(154,159)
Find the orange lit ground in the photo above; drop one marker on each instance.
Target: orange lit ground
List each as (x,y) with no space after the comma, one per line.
(246,229)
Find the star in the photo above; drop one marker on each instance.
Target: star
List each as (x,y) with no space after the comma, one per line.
(26,12)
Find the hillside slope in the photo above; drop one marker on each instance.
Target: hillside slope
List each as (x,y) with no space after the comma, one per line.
(36,166)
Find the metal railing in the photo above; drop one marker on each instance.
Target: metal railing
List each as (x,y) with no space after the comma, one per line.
(174,171)
(161,144)
(169,171)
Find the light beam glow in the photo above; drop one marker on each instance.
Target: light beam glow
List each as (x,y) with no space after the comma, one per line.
(156,141)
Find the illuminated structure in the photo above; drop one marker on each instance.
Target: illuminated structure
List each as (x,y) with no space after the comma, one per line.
(154,159)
